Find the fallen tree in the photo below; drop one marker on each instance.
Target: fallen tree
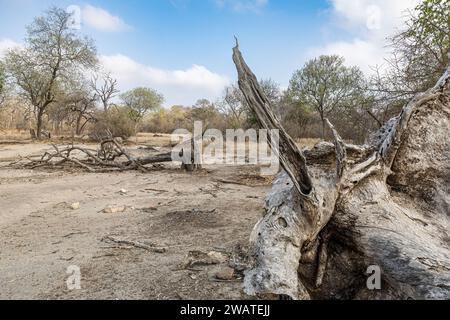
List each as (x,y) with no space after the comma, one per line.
(109,157)
(329,218)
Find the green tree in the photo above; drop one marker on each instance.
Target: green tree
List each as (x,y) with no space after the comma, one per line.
(53,53)
(325,84)
(207,112)
(420,52)
(433,21)
(140,101)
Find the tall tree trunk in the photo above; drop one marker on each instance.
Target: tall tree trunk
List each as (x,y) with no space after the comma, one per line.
(322,117)
(379,207)
(78,125)
(83,126)
(39,123)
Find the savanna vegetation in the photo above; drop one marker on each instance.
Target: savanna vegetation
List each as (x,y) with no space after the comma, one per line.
(363,215)
(55,85)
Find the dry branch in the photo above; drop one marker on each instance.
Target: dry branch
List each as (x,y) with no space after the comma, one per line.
(111,156)
(135,244)
(291,158)
(389,207)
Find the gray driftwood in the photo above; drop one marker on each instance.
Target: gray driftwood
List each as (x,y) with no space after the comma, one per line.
(336,210)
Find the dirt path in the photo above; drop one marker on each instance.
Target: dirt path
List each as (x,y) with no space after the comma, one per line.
(41,235)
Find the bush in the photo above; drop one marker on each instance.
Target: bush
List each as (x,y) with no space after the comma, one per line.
(116,121)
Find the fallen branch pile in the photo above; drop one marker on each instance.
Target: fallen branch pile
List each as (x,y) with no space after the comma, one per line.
(111,156)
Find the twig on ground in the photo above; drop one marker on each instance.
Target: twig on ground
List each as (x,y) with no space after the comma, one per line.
(134,244)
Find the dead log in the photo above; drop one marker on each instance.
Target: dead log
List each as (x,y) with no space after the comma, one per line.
(386,205)
(111,156)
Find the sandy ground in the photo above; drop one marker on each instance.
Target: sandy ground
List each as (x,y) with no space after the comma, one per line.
(41,235)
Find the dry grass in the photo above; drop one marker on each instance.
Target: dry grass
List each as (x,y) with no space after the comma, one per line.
(153,139)
(7,135)
(307,142)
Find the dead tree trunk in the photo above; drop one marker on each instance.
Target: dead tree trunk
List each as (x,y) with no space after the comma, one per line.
(112,156)
(386,205)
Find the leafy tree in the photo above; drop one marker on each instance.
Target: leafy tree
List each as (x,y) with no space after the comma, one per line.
(433,21)
(53,54)
(141,101)
(325,84)
(420,54)
(207,112)
(116,122)
(167,120)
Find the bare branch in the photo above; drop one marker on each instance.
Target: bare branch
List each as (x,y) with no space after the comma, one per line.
(291,158)
(391,144)
(341,152)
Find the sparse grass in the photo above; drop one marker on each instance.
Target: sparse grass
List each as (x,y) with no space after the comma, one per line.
(307,142)
(153,139)
(16,135)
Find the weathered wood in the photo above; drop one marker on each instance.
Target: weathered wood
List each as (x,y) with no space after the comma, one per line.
(296,213)
(390,208)
(93,161)
(291,158)
(341,152)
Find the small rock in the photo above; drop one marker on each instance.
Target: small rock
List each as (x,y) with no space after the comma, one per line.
(226,273)
(123,191)
(114,209)
(217,257)
(75,206)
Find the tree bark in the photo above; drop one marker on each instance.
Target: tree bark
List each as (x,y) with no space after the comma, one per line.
(39,124)
(385,204)
(78,125)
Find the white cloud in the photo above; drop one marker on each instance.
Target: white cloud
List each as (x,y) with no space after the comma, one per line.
(371,23)
(178,86)
(243,5)
(365,54)
(380,17)
(6,45)
(102,20)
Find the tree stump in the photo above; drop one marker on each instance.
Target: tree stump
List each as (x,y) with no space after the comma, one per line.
(387,205)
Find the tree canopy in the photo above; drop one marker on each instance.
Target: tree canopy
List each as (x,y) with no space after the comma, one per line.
(325,84)
(141,101)
(53,53)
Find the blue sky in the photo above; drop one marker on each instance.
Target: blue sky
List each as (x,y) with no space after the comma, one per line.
(183,47)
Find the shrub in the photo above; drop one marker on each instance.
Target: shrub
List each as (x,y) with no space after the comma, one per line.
(116,121)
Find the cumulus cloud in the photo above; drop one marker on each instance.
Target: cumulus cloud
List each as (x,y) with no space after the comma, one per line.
(6,45)
(371,23)
(361,53)
(243,5)
(178,86)
(102,20)
(373,16)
